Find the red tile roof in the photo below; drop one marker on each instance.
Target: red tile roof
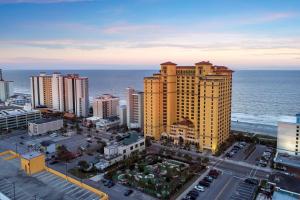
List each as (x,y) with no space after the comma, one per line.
(204,63)
(168,63)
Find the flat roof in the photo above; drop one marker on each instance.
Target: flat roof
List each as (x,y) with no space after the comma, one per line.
(285,182)
(45,120)
(284,195)
(289,160)
(7,111)
(31,155)
(130,139)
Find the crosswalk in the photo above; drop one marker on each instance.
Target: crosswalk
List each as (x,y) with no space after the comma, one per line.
(70,190)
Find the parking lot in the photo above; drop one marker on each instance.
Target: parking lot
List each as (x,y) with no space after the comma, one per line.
(254,157)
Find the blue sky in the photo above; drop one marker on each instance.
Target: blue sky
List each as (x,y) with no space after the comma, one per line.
(140,34)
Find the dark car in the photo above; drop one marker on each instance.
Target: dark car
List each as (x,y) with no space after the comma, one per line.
(110,184)
(204,183)
(193,193)
(53,162)
(128,192)
(252,181)
(208,179)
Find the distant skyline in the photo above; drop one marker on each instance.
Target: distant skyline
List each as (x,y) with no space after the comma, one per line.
(140,34)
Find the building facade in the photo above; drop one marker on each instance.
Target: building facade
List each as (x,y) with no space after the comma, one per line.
(14,117)
(123,115)
(41,91)
(135,108)
(43,126)
(106,106)
(199,94)
(76,95)
(288,137)
(6,88)
(61,93)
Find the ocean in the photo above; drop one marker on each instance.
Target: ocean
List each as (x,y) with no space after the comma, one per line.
(260,97)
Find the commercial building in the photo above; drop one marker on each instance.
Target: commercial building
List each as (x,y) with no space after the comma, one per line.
(123,115)
(61,93)
(106,106)
(288,136)
(19,100)
(43,126)
(123,149)
(14,117)
(200,94)
(6,88)
(107,123)
(135,108)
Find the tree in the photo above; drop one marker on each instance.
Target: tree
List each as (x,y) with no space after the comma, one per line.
(83,165)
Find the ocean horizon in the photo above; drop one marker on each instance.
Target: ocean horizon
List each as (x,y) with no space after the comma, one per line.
(260,97)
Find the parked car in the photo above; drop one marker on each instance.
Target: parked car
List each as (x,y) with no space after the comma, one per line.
(128,192)
(208,179)
(53,162)
(110,184)
(199,188)
(204,183)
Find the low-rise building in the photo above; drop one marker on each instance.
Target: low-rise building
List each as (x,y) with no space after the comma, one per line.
(19,100)
(125,147)
(15,117)
(43,126)
(107,123)
(48,146)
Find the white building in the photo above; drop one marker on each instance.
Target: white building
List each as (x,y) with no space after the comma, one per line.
(48,146)
(58,92)
(107,123)
(123,115)
(19,100)
(76,95)
(61,93)
(6,88)
(135,108)
(106,106)
(288,136)
(43,126)
(130,143)
(15,117)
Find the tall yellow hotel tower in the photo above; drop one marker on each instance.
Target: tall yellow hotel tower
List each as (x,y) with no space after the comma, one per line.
(189,104)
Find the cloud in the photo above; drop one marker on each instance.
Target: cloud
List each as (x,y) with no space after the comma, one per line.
(40,1)
(131,28)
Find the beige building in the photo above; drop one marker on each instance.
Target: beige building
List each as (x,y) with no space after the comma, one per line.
(189,103)
(106,106)
(41,90)
(135,108)
(61,93)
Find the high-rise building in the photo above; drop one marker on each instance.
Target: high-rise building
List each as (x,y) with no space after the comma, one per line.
(288,135)
(6,88)
(189,104)
(58,99)
(106,106)
(135,108)
(61,93)
(123,115)
(41,90)
(76,95)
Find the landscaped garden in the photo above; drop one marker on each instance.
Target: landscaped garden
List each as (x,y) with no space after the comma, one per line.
(158,176)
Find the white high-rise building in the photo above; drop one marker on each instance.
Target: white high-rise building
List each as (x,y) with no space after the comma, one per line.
(288,136)
(58,92)
(6,88)
(106,106)
(123,115)
(135,108)
(76,95)
(61,93)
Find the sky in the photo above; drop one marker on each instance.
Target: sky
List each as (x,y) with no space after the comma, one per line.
(141,34)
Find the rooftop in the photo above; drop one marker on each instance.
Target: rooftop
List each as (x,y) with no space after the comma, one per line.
(285,195)
(30,155)
(106,97)
(168,63)
(293,161)
(285,182)
(45,120)
(13,111)
(130,139)
(47,143)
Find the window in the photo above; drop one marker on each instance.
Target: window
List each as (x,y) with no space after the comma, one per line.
(124,151)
